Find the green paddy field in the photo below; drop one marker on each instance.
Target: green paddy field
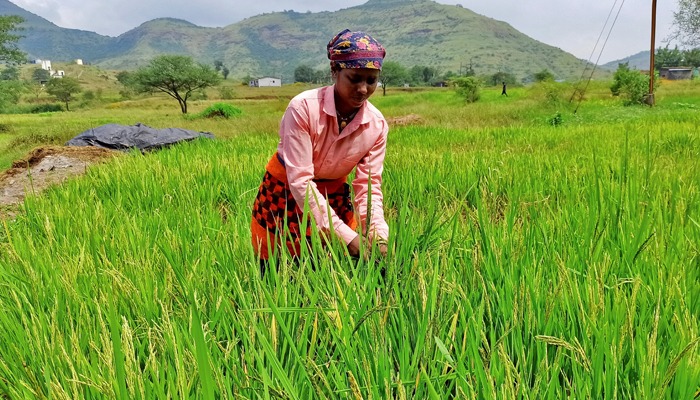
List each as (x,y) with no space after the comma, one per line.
(535,254)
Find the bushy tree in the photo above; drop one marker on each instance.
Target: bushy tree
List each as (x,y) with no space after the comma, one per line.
(666,57)
(691,58)
(9,51)
(304,73)
(124,77)
(225,72)
(41,75)
(500,77)
(9,74)
(10,92)
(177,76)
(468,88)
(544,76)
(686,22)
(218,65)
(63,89)
(631,85)
(392,73)
(421,75)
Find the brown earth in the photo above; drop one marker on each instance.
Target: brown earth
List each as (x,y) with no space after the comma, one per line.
(44,167)
(410,119)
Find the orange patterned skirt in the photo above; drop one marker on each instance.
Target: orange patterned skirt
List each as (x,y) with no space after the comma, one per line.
(277,217)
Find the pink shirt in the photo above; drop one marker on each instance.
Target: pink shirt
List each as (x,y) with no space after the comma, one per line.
(312,149)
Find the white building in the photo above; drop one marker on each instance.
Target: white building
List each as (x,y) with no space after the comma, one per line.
(79,61)
(265,82)
(45,64)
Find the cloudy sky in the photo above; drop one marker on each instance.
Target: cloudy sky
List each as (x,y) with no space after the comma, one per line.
(573,25)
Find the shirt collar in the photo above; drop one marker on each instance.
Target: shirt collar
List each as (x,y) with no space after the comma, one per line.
(363,114)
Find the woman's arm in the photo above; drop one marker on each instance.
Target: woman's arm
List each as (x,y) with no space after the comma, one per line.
(369,174)
(298,157)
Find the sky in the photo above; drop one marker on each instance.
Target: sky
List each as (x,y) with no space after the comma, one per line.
(572,25)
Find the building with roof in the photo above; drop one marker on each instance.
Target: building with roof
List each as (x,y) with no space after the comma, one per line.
(676,73)
(265,82)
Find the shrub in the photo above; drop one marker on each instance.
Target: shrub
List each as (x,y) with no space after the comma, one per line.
(544,76)
(226,93)
(468,88)
(88,95)
(631,85)
(219,110)
(556,119)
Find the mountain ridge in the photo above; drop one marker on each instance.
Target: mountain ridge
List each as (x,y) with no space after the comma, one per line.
(415,32)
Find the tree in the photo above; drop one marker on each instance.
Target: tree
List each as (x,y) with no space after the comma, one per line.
(500,77)
(225,71)
(691,58)
(392,74)
(666,57)
(9,74)
(63,89)
(41,75)
(9,52)
(304,73)
(218,65)
(10,92)
(177,76)
(631,85)
(34,88)
(544,76)
(125,78)
(468,88)
(686,23)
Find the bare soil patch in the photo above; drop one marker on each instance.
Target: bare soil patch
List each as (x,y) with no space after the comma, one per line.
(410,119)
(44,167)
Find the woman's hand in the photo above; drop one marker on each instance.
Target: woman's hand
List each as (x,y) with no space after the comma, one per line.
(354,247)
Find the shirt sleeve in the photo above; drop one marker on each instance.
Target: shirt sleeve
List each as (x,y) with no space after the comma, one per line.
(369,174)
(298,157)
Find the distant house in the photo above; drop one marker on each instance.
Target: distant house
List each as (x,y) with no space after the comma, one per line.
(45,64)
(440,84)
(58,74)
(265,82)
(676,74)
(79,61)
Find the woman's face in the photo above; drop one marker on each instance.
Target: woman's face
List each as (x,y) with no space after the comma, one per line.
(354,85)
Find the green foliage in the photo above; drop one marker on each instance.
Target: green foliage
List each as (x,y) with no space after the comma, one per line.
(63,89)
(468,88)
(88,95)
(691,58)
(219,110)
(631,85)
(125,78)
(10,74)
(177,76)
(41,75)
(245,81)
(666,57)
(226,93)
(686,23)
(218,65)
(304,73)
(9,51)
(32,109)
(392,73)
(10,92)
(543,76)
(556,120)
(421,75)
(500,77)
(225,72)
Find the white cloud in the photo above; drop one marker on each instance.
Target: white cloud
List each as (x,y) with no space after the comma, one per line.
(573,25)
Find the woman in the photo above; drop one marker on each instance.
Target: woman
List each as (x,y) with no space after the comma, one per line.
(324,134)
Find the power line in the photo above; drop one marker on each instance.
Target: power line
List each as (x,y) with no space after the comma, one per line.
(600,55)
(593,52)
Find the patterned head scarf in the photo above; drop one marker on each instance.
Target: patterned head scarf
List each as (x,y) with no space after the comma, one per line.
(355,50)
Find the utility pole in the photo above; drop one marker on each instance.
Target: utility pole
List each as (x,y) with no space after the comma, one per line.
(650,98)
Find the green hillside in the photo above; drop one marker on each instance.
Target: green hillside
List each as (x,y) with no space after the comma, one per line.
(419,32)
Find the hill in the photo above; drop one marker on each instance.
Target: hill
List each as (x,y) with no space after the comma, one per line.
(639,61)
(415,32)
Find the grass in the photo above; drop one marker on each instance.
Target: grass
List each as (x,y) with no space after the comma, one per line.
(527,262)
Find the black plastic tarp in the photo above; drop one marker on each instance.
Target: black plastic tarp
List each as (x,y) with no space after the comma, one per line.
(140,136)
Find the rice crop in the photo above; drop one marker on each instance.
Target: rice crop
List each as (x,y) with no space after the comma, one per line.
(527,262)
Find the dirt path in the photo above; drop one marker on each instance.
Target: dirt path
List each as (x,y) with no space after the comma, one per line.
(42,168)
